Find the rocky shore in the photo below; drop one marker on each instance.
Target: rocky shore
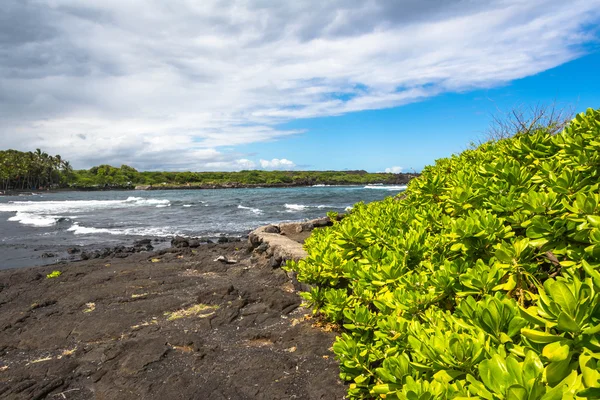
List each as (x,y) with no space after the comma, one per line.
(192,321)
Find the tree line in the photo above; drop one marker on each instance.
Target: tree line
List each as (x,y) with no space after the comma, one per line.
(33,170)
(38,171)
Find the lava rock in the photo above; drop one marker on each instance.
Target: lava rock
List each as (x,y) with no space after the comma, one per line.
(262,248)
(179,242)
(271,229)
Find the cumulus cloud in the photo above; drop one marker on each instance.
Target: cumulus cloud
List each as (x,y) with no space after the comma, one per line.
(393,170)
(174,84)
(277,163)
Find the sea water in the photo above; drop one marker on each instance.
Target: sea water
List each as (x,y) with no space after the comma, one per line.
(37,223)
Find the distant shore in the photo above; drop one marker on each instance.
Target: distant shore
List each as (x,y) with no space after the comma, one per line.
(234,185)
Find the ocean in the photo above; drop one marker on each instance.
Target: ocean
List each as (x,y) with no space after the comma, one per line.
(50,223)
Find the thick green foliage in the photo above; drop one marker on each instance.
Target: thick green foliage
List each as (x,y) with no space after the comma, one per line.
(127,176)
(35,170)
(482,281)
(32,170)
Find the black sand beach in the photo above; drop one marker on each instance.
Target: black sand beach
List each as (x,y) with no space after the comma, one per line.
(174,324)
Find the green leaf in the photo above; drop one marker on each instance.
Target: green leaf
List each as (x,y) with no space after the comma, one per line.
(503,256)
(566,323)
(557,351)
(562,295)
(381,389)
(494,373)
(594,220)
(589,370)
(447,375)
(532,367)
(557,371)
(595,275)
(540,337)
(516,392)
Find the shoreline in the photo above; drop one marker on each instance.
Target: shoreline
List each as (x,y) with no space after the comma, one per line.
(216,321)
(13,192)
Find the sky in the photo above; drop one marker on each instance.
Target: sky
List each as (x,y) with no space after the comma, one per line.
(258,84)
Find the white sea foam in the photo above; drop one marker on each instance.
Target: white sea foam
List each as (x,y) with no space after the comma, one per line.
(296,207)
(43,213)
(254,210)
(76,205)
(34,220)
(302,207)
(85,230)
(394,187)
(187,205)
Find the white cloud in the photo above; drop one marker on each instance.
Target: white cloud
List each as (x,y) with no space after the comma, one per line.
(246,164)
(393,170)
(167,84)
(277,163)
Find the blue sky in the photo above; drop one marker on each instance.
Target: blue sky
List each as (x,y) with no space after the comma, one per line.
(267,84)
(415,135)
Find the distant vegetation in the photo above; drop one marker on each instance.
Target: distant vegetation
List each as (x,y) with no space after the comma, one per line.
(481,281)
(32,170)
(38,170)
(107,175)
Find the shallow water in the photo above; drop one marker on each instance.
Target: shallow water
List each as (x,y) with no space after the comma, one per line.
(36,223)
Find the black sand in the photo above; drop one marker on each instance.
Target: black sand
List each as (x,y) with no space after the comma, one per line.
(173,326)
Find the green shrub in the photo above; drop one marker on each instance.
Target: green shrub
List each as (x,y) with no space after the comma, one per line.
(482,282)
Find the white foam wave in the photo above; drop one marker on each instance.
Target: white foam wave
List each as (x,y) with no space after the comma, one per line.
(59,207)
(84,230)
(254,210)
(296,207)
(142,202)
(34,220)
(302,207)
(187,205)
(398,188)
(44,213)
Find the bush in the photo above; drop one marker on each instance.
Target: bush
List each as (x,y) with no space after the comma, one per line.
(481,282)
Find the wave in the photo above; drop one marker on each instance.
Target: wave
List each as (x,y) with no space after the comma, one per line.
(302,207)
(142,202)
(76,205)
(394,187)
(85,230)
(35,220)
(256,211)
(44,213)
(187,205)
